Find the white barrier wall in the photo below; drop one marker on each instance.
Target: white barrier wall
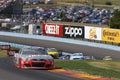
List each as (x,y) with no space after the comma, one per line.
(64,40)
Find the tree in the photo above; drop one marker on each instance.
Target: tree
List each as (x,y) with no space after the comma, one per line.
(115,20)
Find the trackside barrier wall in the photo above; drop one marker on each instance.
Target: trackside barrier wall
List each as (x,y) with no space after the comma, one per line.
(82,32)
(13,44)
(50,38)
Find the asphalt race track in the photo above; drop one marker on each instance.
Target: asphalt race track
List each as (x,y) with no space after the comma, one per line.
(87,50)
(9,72)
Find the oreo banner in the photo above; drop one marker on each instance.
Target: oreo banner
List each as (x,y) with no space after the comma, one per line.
(73,31)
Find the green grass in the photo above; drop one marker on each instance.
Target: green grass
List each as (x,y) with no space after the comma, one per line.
(111,69)
(96,2)
(14,48)
(58,3)
(41,5)
(3,53)
(77,24)
(114,2)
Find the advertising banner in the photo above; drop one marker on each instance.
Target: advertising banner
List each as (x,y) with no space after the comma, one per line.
(93,33)
(111,35)
(73,31)
(52,30)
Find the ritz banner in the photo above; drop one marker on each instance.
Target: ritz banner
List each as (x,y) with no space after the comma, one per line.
(111,35)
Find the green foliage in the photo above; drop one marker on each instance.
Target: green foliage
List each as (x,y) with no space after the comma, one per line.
(115,20)
(3,53)
(14,48)
(108,3)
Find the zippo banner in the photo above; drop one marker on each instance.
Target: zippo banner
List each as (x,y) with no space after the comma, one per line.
(52,29)
(73,31)
(111,35)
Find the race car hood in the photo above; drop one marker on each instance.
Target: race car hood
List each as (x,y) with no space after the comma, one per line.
(41,57)
(37,57)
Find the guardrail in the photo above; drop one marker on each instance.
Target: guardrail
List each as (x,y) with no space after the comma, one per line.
(12,44)
(64,40)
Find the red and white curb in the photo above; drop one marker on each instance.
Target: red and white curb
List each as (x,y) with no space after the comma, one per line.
(80,75)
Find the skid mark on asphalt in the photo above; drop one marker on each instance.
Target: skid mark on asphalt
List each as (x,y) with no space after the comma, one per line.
(79,75)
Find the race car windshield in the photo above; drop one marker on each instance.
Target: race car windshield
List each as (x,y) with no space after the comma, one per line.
(77,54)
(52,50)
(34,52)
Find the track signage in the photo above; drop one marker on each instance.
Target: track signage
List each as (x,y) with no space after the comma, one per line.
(52,29)
(73,31)
(111,35)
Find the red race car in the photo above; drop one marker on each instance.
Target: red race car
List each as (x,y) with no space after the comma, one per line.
(33,58)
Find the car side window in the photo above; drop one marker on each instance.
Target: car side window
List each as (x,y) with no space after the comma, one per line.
(67,57)
(20,52)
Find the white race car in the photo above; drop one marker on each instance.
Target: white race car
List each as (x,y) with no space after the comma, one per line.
(72,56)
(33,58)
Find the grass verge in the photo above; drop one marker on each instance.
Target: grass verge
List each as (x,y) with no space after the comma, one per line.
(109,69)
(3,53)
(98,2)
